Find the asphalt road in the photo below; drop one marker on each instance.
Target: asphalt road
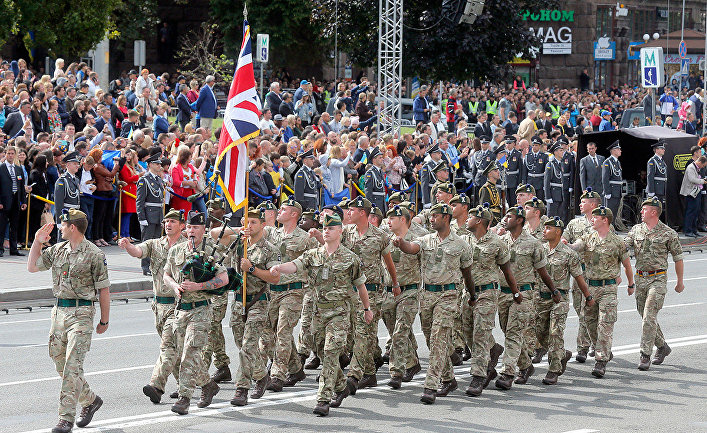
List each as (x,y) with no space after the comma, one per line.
(669,397)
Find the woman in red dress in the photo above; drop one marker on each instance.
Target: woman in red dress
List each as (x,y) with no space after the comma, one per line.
(128,174)
(183,180)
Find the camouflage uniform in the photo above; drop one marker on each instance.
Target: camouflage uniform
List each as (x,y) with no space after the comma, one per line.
(216,346)
(331,277)
(442,261)
(652,248)
(192,322)
(286,302)
(562,262)
(489,252)
(424,216)
(305,339)
(575,229)
(163,306)
(77,275)
(531,338)
(399,311)
(603,259)
(262,254)
(457,335)
(526,255)
(370,248)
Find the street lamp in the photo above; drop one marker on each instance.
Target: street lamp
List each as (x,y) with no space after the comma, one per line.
(646,38)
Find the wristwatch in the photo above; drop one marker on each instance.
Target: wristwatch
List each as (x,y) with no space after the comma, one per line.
(516,295)
(632,286)
(366,309)
(102,323)
(251,269)
(589,298)
(555,292)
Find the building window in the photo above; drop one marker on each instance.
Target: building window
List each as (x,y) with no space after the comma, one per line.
(605,23)
(642,22)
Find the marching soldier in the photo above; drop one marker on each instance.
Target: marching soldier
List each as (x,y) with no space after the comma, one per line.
(80,278)
(269,213)
(578,227)
(612,180)
(479,161)
(656,176)
(399,311)
(333,269)
(535,217)
(460,214)
(526,257)
(150,204)
(489,192)
(569,167)
(261,254)
(192,316)
(552,307)
(535,162)
(652,241)
(307,183)
(553,183)
(524,192)
(514,169)
(375,182)
(163,302)
(443,194)
(427,175)
(445,258)
(604,253)
(535,225)
(441,172)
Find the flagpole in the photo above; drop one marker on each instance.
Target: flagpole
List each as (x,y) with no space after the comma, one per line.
(245,242)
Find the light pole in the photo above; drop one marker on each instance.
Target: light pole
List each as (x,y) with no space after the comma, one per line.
(646,38)
(336,42)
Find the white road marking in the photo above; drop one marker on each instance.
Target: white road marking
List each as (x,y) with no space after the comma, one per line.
(583,430)
(114,337)
(26,321)
(94,373)
(633,310)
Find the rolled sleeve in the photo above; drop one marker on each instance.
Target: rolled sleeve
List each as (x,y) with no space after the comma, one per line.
(145,249)
(100,273)
(46,259)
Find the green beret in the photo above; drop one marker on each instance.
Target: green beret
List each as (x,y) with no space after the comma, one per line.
(344,204)
(448,188)
(441,208)
(482,212)
(266,205)
(398,210)
(653,201)
(196,218)
(407,205)
(536,203)
(215,204)
(555,222)
(516,210)
(309,214)
(69,215)
(360,202)
(525,187)
(439,167)
(175,214)
(603,211)
(292,203)
(256,213)
(332,220)
(396,197)
(461,199)
(590,194)
(375,210)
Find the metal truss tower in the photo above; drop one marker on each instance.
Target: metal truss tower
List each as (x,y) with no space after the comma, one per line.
(390,65)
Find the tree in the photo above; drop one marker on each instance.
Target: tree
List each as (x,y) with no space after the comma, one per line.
(434,46)
(201,54)
(63,27)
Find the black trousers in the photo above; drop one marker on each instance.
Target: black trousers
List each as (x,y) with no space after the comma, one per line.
(10,217)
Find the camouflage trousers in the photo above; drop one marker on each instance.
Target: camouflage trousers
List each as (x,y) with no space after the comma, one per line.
(513,318)
(283,314)
(530,337)
(458,339)
(437,311)
(478,323)
(169,360)
(305,339)
(252,366)
(650,295)
(217,342)
(330,327)
(601,318)
(191,332)
(398,316)
(366,347)
(550,323)
(583,341)
(69,341)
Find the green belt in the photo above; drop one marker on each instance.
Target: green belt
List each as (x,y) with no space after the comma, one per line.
(331,304)
(164,299)
(369,287)
(248,298)
(402,288)
(521,288)
(440,288)
(73,302)
(186,306)
(548,295)
(285,287)
(484,287)
(599,283)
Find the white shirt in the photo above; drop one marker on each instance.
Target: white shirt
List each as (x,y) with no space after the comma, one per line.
(85,188)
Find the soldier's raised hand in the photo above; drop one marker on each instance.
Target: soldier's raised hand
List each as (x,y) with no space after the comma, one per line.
(124,242)
(44,234)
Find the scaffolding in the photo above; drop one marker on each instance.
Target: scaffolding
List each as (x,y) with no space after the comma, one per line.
(390,65)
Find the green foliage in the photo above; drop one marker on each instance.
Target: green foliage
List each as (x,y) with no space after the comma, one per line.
(201,54)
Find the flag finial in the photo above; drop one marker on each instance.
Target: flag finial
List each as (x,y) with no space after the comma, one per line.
(245,12)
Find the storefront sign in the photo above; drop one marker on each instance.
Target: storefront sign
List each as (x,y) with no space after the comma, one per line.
(604,49)
(553,40)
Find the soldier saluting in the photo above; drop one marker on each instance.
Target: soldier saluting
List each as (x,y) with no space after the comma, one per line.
(656,176)
(375,182)
(307,184)
(612,180)
(150,204)
(80,277)
(66,190)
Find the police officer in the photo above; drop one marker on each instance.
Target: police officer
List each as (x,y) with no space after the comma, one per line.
(656,176)
(150,204)
(66,189)
(307,184)
(375,182)
(535,162)
(612,180)
(480,160)
(489,192)
(427,175)
(80,278)
(569,167)
(514,169)
(553,185)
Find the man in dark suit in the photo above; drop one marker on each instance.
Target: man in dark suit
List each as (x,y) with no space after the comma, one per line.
(483,128)
(273,98)
(206,104)
(116,115)
(286,107)
(184,113)
(105,120)
(590,170)
(16,121)
(12,195)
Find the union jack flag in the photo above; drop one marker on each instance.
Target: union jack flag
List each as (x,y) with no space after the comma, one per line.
(240,123)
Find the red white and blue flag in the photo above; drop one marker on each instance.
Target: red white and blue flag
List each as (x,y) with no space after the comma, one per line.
(241,122)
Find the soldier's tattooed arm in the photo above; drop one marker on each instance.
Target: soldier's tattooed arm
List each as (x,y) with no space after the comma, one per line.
(219,280)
